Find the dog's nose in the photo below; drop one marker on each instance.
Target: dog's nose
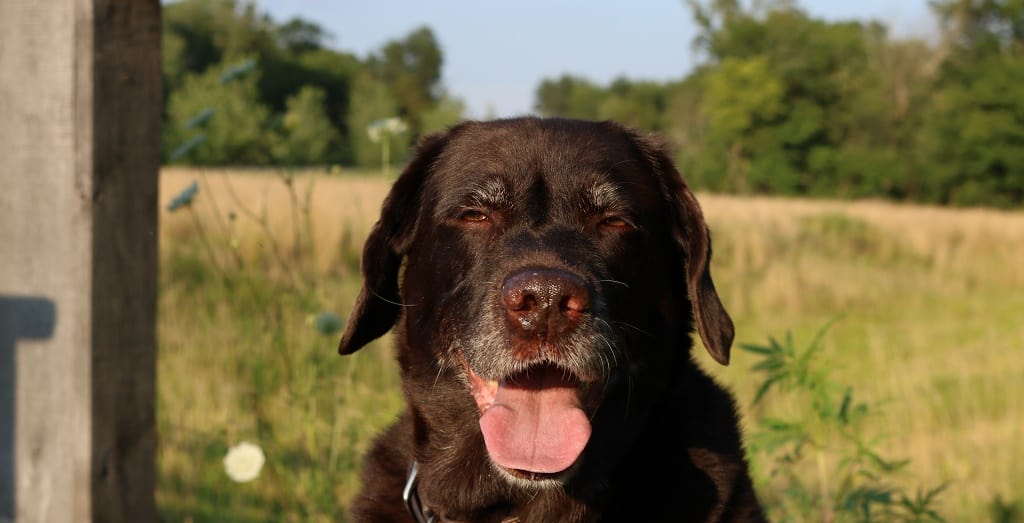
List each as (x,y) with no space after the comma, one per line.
(545,303)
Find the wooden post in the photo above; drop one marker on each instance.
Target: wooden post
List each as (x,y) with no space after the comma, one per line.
(79,158)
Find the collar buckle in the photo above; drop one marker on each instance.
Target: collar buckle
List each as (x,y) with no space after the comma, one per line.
(411,497)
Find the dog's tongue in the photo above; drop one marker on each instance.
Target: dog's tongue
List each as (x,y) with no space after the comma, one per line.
(536,423)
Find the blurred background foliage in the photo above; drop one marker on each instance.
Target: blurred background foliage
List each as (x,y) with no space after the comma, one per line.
(781,103)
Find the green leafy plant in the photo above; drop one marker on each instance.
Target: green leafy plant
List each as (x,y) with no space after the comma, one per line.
(820,462)
(1006,511)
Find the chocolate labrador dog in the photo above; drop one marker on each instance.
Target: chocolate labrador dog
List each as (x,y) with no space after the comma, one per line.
(543,277)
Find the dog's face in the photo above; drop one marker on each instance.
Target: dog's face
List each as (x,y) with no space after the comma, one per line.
(551,268)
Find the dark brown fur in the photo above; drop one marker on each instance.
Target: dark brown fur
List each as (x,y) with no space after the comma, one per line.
(665,444)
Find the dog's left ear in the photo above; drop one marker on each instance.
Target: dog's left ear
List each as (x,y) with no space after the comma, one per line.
(691,233)
(379,304)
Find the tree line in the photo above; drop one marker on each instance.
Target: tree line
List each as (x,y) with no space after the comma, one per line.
(242,88)
(781,103)
(785,103)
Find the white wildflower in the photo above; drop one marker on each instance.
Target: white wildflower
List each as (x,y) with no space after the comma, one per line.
(385,126)
(244,461)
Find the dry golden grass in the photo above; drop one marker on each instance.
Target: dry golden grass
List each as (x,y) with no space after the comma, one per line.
(926,303)
(345,207)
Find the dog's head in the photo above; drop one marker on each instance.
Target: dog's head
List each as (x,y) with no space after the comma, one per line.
(540,271)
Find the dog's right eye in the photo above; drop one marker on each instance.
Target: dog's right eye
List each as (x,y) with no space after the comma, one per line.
(473,216)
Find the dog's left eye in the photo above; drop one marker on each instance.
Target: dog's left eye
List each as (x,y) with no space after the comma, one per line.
(616,222)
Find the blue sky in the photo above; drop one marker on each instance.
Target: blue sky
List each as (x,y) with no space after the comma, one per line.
(496,53)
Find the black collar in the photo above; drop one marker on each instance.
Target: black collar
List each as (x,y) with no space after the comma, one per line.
(420,512)
(411,496)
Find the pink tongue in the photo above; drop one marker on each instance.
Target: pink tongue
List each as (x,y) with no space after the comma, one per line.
(536,424)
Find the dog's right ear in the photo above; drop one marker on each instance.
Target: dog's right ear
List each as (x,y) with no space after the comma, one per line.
(379,304)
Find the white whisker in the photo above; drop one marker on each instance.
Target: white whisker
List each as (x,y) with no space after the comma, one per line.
(634,327)
(389,301)
(624,284)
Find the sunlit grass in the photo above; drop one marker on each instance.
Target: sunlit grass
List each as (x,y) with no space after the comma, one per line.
(925,303)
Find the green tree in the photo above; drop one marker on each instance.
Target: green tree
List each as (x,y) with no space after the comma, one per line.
(973,142)
(371,101)
(235,131)
(199,34)
(638,104)
(299,36)
(447,112)
(217,30)
(569,96)
(798,105)
(883,117)
(685,125)
(411,67)
(333,72)
(972,146)
(294,55)
(307,135)
(172,55)
(743,95)
(301,60)
(979,28)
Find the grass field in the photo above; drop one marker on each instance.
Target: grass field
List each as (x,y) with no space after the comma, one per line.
(925,303)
